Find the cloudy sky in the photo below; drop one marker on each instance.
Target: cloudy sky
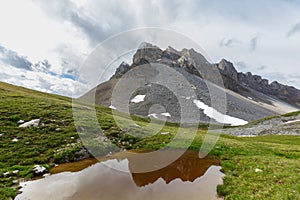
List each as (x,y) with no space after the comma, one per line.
(43,43)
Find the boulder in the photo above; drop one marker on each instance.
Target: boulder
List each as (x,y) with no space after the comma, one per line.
(34,122)
(39,170)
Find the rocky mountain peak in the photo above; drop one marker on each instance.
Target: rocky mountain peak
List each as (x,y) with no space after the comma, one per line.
(121,70)
(193,62)
(227,69)
(147,51)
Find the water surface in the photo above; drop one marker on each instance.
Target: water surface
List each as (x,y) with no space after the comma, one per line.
(189,177)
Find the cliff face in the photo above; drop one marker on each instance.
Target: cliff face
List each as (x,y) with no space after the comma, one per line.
(193,62)
(284,92)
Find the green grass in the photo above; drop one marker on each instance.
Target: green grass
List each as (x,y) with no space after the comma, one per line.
(277,156)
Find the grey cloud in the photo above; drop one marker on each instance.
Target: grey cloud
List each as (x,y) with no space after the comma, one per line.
(91,29)
(242,65)
(262,67)
(253,43)
(14,59)
(98,25)
(295,29)
(229,42)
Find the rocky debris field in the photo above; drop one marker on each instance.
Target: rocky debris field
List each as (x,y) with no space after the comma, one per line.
(288,124)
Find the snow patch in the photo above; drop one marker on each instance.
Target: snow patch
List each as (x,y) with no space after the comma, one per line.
(166,114)
(219,117)
(246,135)
(112,107)
(250,98)
(154,115)
(138,98)
(289,122)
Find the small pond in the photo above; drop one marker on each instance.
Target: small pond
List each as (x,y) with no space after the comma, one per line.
(189,177)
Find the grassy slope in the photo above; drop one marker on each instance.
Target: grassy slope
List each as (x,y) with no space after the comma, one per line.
(277,156)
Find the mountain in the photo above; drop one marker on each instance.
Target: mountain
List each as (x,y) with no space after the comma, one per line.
(249,97)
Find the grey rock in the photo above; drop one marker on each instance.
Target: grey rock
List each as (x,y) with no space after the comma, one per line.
(20,121)
(39,170)
(34,122)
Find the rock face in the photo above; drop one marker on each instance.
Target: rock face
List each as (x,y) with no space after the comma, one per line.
(148,52)
(122,69)
(286,93)
(229,74)
(193,62)
(247,99)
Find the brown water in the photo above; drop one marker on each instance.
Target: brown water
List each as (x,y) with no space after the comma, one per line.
(187,178)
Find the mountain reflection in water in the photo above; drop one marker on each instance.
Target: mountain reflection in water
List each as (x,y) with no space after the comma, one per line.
(187,178)
(187,168)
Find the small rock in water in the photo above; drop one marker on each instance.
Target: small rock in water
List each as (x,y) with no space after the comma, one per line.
(15,181)
(34,122)
(1,134)
(164,133)
(16,172)
(72,138)
(258,170)
(57,129)
(15,140)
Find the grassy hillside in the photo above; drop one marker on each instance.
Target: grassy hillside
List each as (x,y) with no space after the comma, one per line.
(56,140)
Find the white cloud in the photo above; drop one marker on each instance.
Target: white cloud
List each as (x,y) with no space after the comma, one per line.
(41,81)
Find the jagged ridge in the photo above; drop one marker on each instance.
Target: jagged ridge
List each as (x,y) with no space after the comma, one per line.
(232,79)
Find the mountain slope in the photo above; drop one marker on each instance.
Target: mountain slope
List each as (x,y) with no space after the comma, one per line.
(55,140)
(249,97)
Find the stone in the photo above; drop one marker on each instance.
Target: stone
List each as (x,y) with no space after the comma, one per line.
(45,175)
(258,170)
(6,173)
(34,123)
(20,121)
(38,170)
(165,133)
